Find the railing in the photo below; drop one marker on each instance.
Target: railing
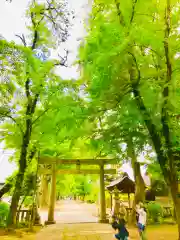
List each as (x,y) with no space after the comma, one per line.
(167,212)
(24,216)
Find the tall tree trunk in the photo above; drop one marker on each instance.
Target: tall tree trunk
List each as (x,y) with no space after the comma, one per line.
(139,190)
(172,177)
(11,221)
(176,201)
(139,182)
(18,186)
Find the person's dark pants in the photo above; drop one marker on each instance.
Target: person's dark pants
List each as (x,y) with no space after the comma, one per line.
(141,227)
(117,236)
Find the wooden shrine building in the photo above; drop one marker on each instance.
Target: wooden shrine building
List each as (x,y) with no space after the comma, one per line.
(124,184)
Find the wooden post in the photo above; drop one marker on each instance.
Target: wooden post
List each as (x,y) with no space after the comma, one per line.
(111,201)
(116,202)
(102,196)
(52,197)
(129,199)
(44,192)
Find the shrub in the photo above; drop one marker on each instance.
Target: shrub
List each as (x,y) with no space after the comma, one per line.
(4,210)
(155,211)
(90,201)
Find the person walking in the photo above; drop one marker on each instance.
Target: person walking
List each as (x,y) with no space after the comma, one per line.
(121,231)
(142,220)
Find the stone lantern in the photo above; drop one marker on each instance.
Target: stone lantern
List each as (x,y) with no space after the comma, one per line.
(116,202)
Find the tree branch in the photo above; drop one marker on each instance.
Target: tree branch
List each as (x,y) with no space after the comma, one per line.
(133,10)
(40,116)
(137,67)
(149,48)
(35,38)
(32,153)
(33,107)
(63,60)
(14,120)
(119,13)
(27,88)
(35,25)
(22,39)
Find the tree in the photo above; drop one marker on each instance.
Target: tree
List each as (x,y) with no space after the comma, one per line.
(31,76)
(118,123)
(131,52)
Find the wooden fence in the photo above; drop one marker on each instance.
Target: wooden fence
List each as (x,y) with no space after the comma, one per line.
(24,216)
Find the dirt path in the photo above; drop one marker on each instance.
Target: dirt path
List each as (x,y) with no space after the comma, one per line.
(72,212)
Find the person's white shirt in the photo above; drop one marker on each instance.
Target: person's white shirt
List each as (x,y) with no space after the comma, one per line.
(142,216)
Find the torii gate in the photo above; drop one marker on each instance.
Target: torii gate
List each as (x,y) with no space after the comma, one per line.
(53,161)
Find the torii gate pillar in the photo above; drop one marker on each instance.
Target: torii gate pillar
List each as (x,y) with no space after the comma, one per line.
(102,218)
(52,197)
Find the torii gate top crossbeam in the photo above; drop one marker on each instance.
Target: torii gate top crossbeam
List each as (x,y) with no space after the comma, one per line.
(55,160)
